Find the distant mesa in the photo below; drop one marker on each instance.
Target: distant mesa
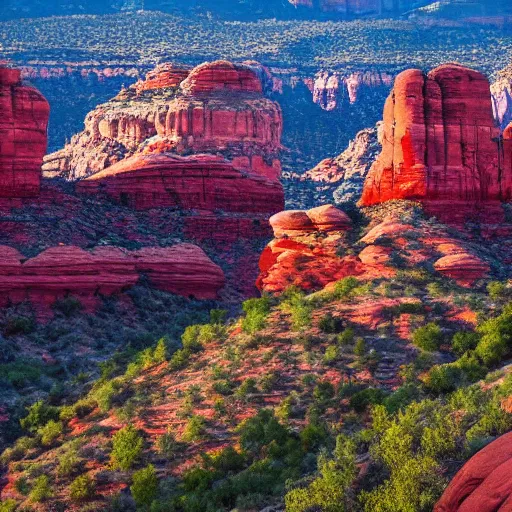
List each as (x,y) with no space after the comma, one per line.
(440,146)
(23,135)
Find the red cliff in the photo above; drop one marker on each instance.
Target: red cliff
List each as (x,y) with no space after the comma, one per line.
(200,182)
(440,146)
(23,139)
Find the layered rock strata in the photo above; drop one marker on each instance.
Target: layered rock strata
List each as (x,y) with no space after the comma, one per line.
(484,483)
(201,182)
(60,271)
(23,136)
(218,107)
(441,147)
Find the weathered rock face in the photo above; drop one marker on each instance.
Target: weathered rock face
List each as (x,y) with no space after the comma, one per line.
(23,139)
(60,271)
(201,182)
(218,108)
(330,88)
(304,251)
(484,483)
(440,143)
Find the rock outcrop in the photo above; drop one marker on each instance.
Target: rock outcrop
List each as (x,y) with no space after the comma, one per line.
(23,138)
(201,182)
(304,251)
(218,107)
(441,147)
(60,271)
(484,483)
(330,89)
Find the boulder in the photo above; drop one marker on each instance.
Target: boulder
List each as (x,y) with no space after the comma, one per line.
(464,267)
(23,138)
(484,483)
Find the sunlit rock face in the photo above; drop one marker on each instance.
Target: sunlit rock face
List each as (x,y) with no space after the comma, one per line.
(441,146)
(24,116)
(217,107)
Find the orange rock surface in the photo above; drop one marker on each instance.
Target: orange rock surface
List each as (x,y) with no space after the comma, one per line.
(23,138)
(440,146)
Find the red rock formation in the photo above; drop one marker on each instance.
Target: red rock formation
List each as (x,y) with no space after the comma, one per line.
(60,271)
(201,182)
(23,123)
(463,267)
(440,144)
(163,76)
(304,252)
(218,108)
(183,269)
(484,483)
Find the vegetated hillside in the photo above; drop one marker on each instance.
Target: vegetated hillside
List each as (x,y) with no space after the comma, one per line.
(135,39)
(367,395)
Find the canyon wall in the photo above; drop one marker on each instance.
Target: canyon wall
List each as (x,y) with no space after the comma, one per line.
(23,137)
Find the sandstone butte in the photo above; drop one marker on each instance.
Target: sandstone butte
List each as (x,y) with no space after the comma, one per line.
(60,271)
(219,108)
(23,140)
(440,146)
(484,483)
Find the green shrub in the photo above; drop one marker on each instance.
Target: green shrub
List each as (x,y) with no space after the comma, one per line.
(443,378)
(344,289)
(50,432)
(8,505)
(41,489)
(366,397)
(218,316)
(39,414)
(428,337)
(190,339)
(260,431)
(497,290)
(464,341)
(247,387)
(68,306)
(106,393)
(69,463)
(167,444)
(194,429)
(82,488)
(22,486)
(179,360)
(323,391)
(15,325)
(160,352)
(346,337)
(329,492)
(331,355)
(127,447)
(256,312)
(145,486)
(360,347)
(330,324)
